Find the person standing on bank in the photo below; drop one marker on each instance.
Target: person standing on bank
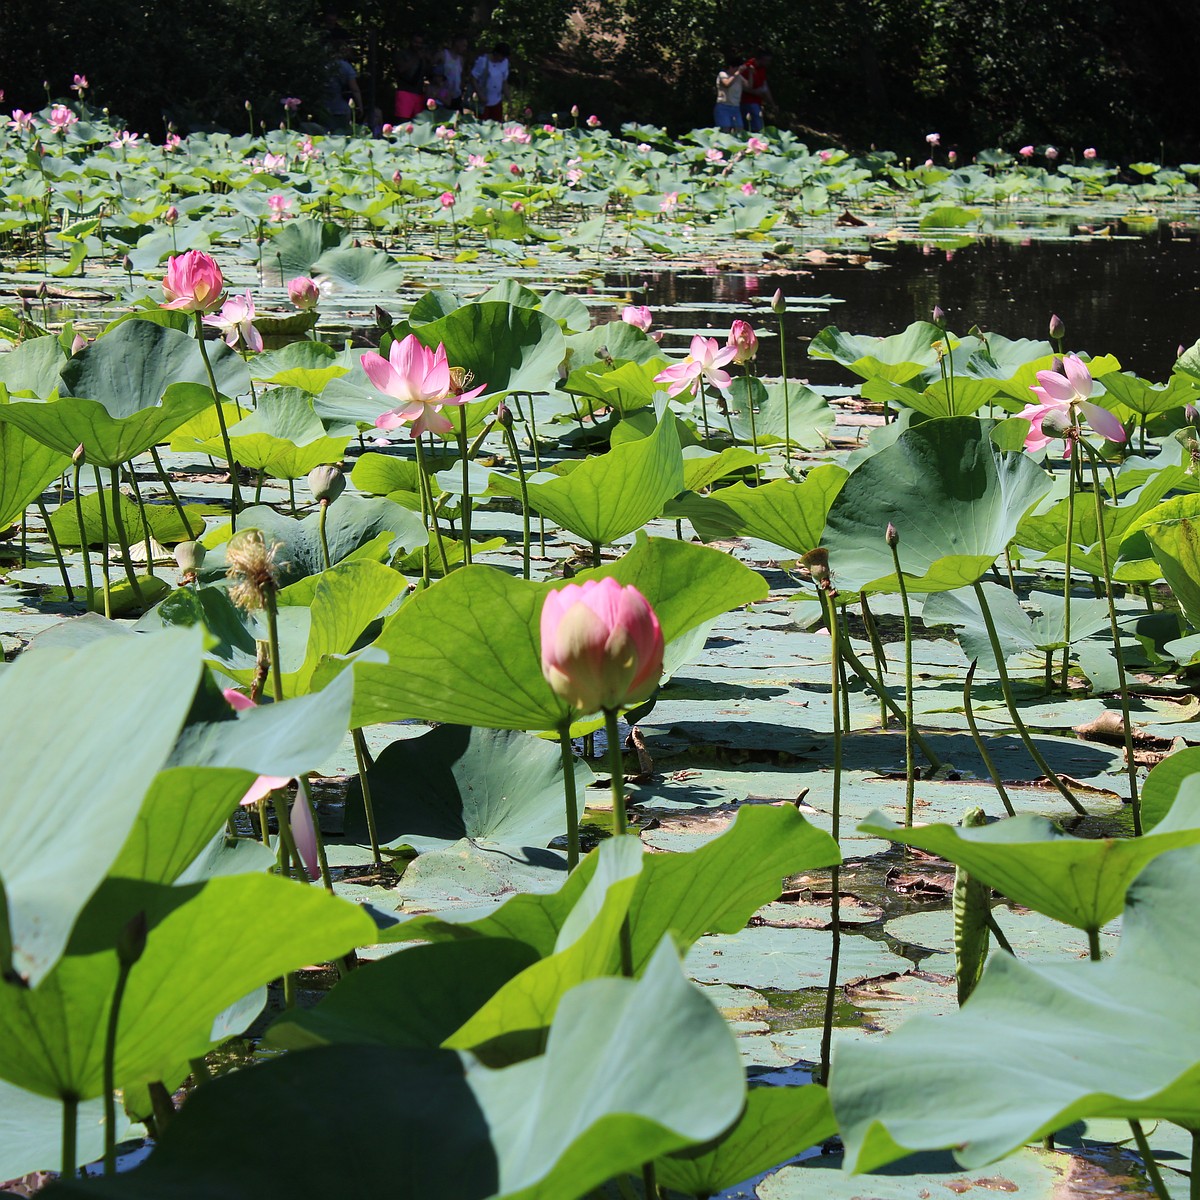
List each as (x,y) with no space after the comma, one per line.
(412,73)
(449,70)
(731,80)
(757,92)
(490,74)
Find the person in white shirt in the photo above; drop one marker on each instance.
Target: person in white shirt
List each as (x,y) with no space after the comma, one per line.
(730,82)
(490,74)
(449,69)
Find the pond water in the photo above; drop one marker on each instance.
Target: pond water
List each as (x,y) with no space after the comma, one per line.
(1135,297)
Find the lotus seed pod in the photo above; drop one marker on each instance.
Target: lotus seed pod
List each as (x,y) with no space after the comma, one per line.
(326,483)
(817,562)
(1057,422)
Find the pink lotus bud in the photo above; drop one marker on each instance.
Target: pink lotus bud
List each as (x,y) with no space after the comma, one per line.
(408,128)
(602,645)
(547,128)
(939,316)
(593,122)
(515,170)
(778,303)
(77,343)
(446,199)
(824,155)
(1058,329)
(397,177)
(303,293)
(193,283)
(517,206)
(1026,152)
(171,215)
(1090,153)
(952,156)
(431,104)
(929,162)
(639,316)
(744,340)
(305,833)
(574,110)
(1051,153)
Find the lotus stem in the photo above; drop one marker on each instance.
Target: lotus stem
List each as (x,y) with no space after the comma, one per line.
(129,950)
(360,757)
(751,378)
(514,450)
(1122,682)
(1071,470)
(83,542)
(787,408)
(569,794)
(537,466)
(704,409)
(58,554)
(235,498)
(835,926)
(980,744)
(70,1133)
(1148,1160)
(123,537)
(910,784)
(466,484)
(1006,688)
(104,540)
(620,823)
(424,481)
(141,504)
(322,513)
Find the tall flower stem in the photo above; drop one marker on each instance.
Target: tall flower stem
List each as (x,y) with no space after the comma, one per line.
(58,554)
(466,484)
(787,410)
(360,757)
(104,540)
(514,450)
(980,744)
(141,506)
(751,380)
(427,486)
(1122,681)
(83,541)
(835,925)
(878,652)
(322,514)
(620,823)
(1148,1161)
(235,487)
(70,1135)
(537,466)
(569,794)
(910,783)
(1018,724)
(1072,468)
(704,408)
(122,536)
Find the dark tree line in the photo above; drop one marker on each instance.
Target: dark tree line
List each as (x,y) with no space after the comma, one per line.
(1108,73)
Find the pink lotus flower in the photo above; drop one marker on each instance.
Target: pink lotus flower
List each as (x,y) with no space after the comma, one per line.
(174,142)
(516,134)
(743,341)
(1026,152)
(307,150)
(756,145)
(703,364)
(304,832)
(748,189)
(1051,153)
(669,202)
(547,128)
(475,160)
(171,216)
(824,155)
(934,139)
(79,84)
(303,293)
(291,103)
(21,120)
(644,147)
(444,132)
(602,645)
(273,164)
(420,379)
(124,140)
(517,206)
(236,323)
(194,282)
(62,118)
(639,316)
(1090,153)
(574,175)
(446,199)
(279,205)
(713,155)
(1067,392)
(593,122)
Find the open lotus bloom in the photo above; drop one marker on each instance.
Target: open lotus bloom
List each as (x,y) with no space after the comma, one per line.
(703,364)
(236,323)
(1065,393)
(264,785)
(421,380)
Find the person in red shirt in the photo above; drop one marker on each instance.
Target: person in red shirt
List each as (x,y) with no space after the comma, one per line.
(757,91)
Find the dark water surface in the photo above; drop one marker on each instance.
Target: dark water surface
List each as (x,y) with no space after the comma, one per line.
(1135,297)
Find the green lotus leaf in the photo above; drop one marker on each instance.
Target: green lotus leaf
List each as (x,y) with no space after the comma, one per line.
(616,340)
(381,474)
(1174,537)
(299,244)
(809,418)
(966,397)
(57,841)
(32,368)
(493,786)
(1143,398)
(953,498)
(163,519)
(536,1130)
(1057,1043)
(26,469)
(624,386)
(897,358)
(306,365)
(359,269)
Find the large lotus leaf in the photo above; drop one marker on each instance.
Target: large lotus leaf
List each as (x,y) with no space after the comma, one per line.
(610,495)
(32,367)
(1143,398)
(1000,358)
(73,800)
(1018,630)
(467,650)
(809,417)
(208,945)
(776,1124)
(596,1104)
(381,474)
(897,358)
(1174,536)
(26,468)
(31,1131)
(791,515)
(107,441)
(967,396)
(624,386)
(954,499)
(351,524)
(1164,783)
(1079,881)
(282,436)
(299,244)
(506,349)
(163,519)
(1056,1042)
(129,369)
(615,340)
(702,468)
(454,782)
(305,365)
(358,269)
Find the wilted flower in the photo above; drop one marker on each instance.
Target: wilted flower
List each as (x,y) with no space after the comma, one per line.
(251,568)
(602,645)
(236,322)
